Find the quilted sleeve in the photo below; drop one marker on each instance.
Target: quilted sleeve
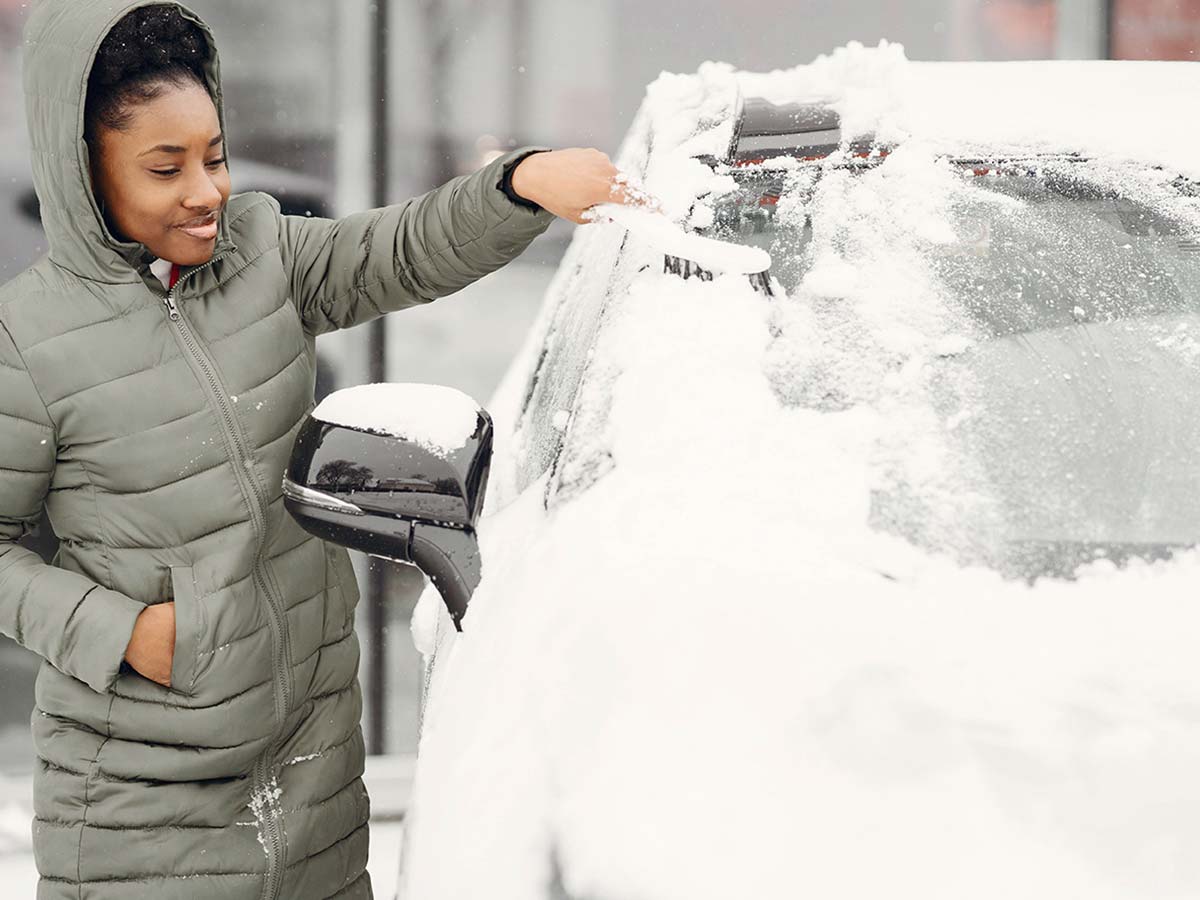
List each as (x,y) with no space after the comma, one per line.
(348,271)
(81,627)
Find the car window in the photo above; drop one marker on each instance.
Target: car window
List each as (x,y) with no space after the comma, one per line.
(578,298)
(1071,254)
(1030,340)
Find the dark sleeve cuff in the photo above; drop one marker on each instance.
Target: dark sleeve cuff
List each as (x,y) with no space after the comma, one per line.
(506,177)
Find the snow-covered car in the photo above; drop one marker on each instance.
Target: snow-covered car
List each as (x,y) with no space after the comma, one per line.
(873,578)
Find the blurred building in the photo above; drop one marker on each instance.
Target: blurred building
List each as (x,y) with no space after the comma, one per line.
(279,65)
(574,72)
(1154,29)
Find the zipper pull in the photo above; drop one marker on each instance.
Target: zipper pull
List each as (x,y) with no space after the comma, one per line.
(172,309)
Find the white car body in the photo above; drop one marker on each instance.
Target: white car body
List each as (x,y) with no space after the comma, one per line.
(694,669)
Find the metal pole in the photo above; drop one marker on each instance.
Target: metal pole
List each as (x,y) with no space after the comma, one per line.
(1110,17)
(1082,29)
(519,74)
(377,348)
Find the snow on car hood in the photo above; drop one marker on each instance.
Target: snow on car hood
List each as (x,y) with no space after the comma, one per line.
(707,676)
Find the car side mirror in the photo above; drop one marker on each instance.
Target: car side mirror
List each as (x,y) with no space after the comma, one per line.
(397,471)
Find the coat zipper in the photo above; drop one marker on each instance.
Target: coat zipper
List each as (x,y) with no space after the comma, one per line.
(264,786)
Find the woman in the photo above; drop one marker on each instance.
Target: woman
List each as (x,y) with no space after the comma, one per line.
(198,712)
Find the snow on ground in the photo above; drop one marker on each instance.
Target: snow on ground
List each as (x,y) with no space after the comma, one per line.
(19,877)
(15,805)
(709,676)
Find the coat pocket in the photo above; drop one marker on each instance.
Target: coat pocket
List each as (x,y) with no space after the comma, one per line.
(188,629)
(341,574)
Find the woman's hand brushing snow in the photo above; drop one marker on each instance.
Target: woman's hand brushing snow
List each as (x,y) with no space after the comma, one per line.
(568,182)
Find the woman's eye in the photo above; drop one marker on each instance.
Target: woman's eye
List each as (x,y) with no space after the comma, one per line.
(216,163)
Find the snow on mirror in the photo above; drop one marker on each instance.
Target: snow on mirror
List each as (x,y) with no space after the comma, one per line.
(1027,340)
(439,418)
(397,471)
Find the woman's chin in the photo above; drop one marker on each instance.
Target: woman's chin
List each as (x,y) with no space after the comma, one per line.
(188,252)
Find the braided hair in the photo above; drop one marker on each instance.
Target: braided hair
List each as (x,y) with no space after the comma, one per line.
(147,51)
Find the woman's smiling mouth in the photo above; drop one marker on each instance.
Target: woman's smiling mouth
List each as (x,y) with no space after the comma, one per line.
(203,229)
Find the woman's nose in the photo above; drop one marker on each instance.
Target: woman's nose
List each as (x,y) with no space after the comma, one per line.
(202,192)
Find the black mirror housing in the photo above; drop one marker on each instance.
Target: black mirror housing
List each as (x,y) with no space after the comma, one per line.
(396,498)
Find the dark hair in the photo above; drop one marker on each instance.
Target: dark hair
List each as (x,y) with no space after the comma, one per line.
(145,52)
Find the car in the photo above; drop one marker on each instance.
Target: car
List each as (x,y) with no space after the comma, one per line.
(21,243)
(873,577)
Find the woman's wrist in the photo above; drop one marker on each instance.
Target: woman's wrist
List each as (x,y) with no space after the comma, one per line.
(506,180)
(523,178)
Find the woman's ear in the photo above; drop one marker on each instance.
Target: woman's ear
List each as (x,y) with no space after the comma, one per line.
(92,175)
(93,153)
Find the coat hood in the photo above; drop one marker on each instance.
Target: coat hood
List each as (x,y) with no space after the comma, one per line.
(62,38)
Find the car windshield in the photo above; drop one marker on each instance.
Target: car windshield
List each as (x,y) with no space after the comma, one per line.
(1029,338)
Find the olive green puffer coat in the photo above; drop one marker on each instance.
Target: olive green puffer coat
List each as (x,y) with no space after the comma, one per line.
(156,434)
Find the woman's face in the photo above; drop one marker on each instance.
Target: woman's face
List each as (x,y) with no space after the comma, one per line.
(163,181)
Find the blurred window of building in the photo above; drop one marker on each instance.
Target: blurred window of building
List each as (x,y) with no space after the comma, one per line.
(279,68)
(1154,29)
(1003,29)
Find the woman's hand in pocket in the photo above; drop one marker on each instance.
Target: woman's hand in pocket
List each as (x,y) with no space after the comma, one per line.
(152,646)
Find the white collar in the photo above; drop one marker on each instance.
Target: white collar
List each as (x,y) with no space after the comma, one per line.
(162,270)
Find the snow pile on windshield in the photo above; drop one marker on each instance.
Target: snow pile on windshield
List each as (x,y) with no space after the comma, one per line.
(439,418)
(689,116)
(716,672)
(1125,110)
(661,233)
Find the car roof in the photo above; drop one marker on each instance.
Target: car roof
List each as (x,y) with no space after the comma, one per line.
(1123,110)
(1120,109)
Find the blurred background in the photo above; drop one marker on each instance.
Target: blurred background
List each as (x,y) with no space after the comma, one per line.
(341,106)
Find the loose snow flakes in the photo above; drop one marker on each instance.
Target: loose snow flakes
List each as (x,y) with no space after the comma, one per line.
(264,802)
(302,759)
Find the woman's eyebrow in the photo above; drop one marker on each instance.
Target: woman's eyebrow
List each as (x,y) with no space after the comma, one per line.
(172,148)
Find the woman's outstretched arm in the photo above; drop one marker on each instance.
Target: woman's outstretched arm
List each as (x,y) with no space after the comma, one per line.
(347,271)
(81,627)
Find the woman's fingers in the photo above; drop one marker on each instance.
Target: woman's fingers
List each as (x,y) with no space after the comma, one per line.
(625,192)
(570,182)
